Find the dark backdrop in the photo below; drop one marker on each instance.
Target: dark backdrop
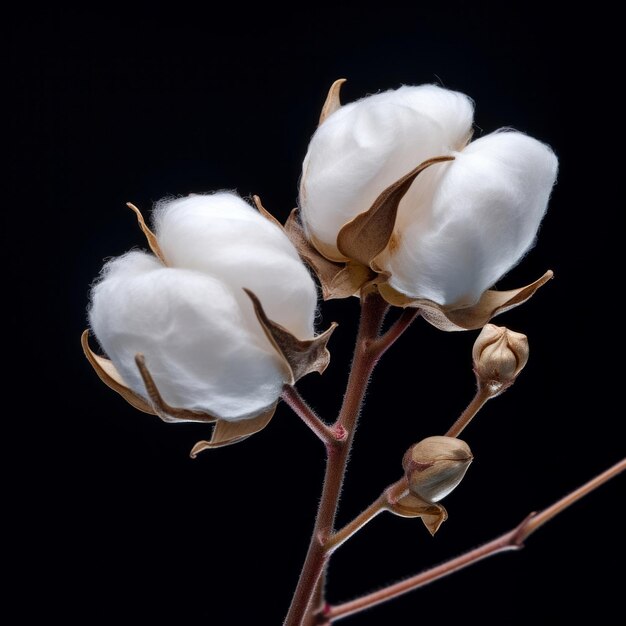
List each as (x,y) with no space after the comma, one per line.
(113,522)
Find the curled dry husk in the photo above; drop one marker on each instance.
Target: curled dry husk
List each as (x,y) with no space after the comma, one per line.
(363,238)
(433,515)
(299,358)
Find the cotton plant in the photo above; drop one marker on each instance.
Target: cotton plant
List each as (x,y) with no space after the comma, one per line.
(399,207)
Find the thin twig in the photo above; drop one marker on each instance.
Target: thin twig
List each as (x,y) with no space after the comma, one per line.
(546,515)
(387,499)
(380,345)
(512,540)
(342,535)
(477,403)
(300,407)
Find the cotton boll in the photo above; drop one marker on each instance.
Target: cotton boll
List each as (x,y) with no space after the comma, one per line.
(476,223)
(368,145)
(451,111)
(197,344)
(225,237)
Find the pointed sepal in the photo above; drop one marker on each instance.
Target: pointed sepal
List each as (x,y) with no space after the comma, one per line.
(491,303)
(364,237)
(150,236)
(433,514)
(337,279)
(301,356)
(161,408)
(333,102)
(228,433)
(109,375)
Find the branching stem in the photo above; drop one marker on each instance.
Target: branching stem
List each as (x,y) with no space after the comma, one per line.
(341,536)
(373,309)
(369,348)
(512,540)
(307,606)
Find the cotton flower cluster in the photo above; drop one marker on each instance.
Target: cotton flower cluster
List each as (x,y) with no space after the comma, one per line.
(394,198)
(397,206)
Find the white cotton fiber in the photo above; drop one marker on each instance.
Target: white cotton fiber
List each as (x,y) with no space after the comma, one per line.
(368,145)
(459,235)
(198,345)
(223,236)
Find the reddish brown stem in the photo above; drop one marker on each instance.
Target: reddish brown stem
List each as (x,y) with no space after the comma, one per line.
(373,309)
(505,542)
(384,342)
(300,407)
(314,617)
(383,503)
(512,540)
(477,403)
(343,534)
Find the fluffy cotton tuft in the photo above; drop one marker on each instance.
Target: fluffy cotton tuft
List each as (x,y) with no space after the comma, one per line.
(466,231)
(222,235)
(368,145)
(189,326)
(192,320)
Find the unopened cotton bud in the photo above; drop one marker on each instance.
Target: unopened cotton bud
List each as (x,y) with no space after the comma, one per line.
(499,355)
(435,466)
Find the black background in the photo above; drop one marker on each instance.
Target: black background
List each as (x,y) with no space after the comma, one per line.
(113,522)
